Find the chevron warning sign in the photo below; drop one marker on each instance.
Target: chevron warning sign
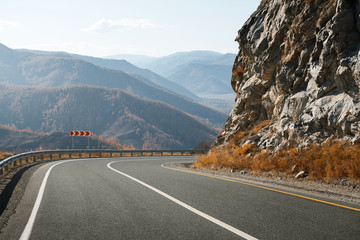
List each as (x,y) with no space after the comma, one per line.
(81,133)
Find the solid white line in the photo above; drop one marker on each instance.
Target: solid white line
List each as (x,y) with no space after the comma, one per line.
(204,215)
(28,228)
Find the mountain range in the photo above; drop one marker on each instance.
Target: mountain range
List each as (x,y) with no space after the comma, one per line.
(53,92)
(17,141)
(111,113)
(205,73)
(19,67)
(125,66)
(166,65)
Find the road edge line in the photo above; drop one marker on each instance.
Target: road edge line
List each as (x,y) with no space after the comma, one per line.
(29,225)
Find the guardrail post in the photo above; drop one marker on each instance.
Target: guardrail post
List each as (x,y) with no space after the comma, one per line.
(70,155)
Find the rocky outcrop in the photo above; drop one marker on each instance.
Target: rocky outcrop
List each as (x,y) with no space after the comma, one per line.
(298,70)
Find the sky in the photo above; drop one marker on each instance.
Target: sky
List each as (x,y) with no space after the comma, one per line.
(109,27)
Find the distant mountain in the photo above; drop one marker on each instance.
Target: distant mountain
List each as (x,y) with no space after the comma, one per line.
(107,112)
(29,69)
(138,60)
(126,67)
(205,80)
(207,74)
(143,74)
(226,59)
(165,66)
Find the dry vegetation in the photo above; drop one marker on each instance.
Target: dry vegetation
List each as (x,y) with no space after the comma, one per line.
(113,144)
(329,161)
(8,127)
(4,154)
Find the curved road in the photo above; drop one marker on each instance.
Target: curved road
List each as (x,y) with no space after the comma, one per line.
(138,198)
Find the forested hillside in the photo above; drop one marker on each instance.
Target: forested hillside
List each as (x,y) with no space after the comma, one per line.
(15,140)
(107,112)
(29,69)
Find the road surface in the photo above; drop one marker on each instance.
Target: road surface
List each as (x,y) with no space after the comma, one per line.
(138,198)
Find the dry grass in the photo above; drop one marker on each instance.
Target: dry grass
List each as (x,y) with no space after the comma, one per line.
(116,155)
(126,154)
(147,154)
(240,137)
(4,154)
(177,154)
(137,154)
(329,161)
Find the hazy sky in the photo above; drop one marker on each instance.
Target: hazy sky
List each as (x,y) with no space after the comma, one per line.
(108,27)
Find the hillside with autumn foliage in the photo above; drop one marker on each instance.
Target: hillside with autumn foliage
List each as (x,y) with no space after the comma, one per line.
(110,113)
(23,140)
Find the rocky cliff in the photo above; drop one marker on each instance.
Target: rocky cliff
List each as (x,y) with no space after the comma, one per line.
(297,74)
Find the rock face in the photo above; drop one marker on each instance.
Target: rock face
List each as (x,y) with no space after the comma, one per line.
(298,70)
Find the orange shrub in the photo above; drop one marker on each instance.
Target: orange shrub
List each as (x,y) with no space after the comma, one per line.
(331,160)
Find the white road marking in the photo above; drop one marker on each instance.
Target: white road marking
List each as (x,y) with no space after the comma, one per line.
(29,225)
(194,210)
(28,228)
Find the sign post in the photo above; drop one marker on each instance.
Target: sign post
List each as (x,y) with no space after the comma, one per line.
(81,133)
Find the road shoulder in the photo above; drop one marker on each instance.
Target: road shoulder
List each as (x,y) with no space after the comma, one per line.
(337,191)
(20,193)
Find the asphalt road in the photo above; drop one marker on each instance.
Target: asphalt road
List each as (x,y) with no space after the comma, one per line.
(137,198)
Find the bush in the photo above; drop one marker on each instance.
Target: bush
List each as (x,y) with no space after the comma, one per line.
(331,160)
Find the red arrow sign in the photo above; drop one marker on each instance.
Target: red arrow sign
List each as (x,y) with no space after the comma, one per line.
(81,133)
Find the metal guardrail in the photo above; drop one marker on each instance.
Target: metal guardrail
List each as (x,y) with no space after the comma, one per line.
(37,156)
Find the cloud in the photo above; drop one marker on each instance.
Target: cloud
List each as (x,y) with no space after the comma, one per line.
(108,25)
(5,24)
